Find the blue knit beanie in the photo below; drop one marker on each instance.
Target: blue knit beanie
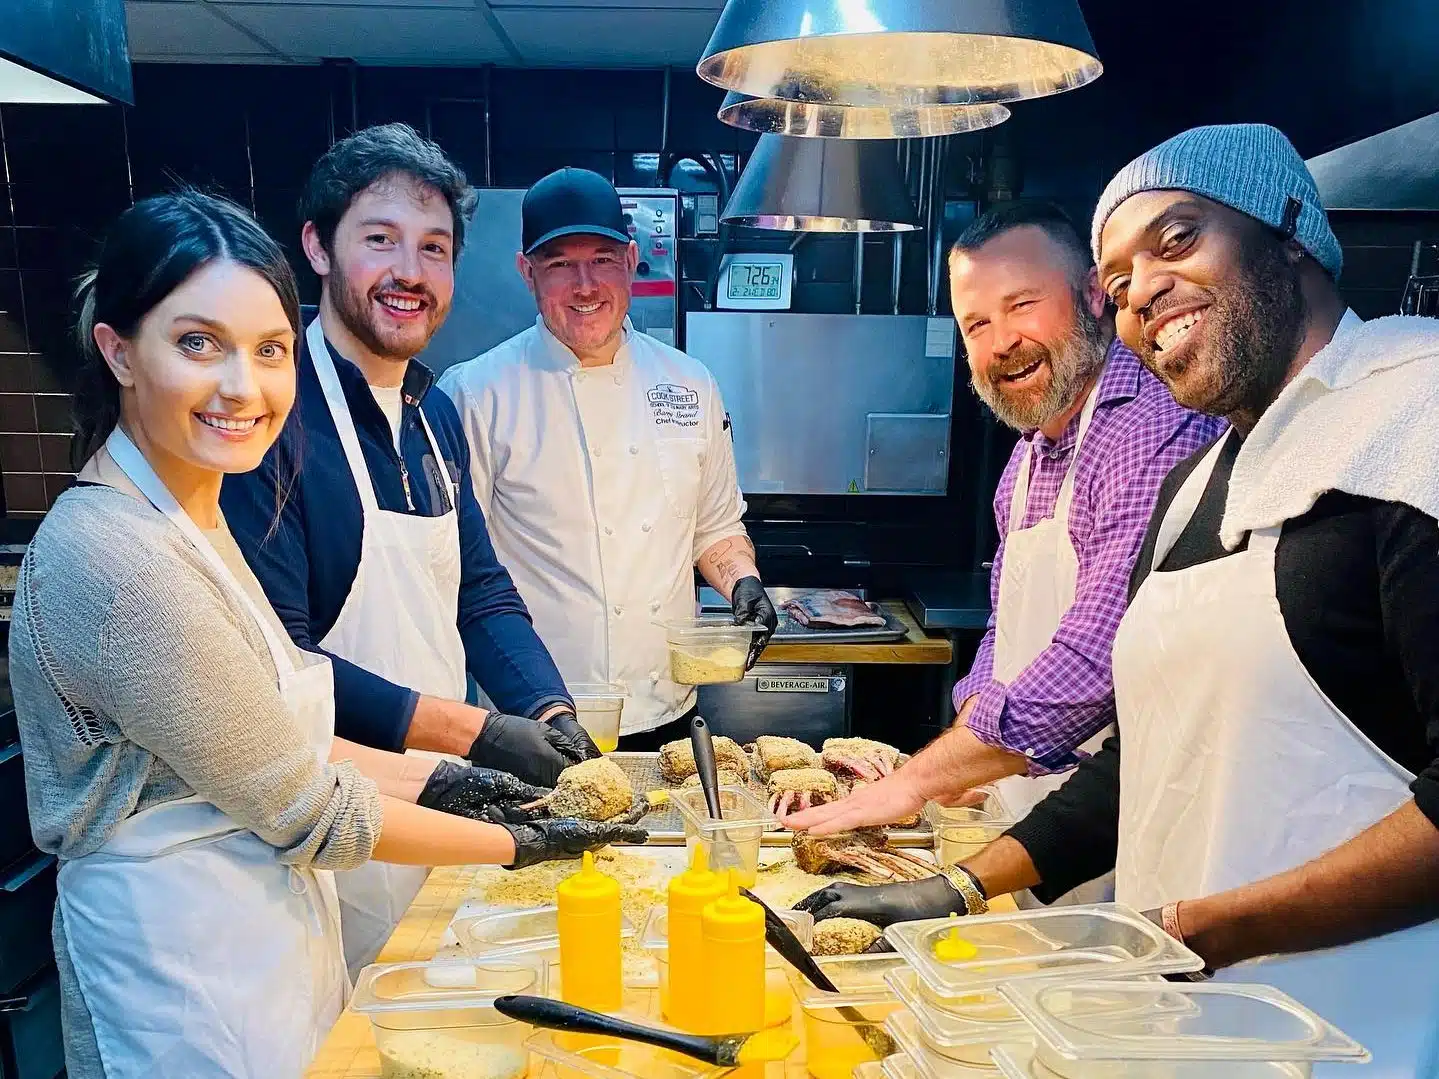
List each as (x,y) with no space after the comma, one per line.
(1251,168)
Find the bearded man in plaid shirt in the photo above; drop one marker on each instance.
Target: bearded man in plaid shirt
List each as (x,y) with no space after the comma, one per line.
(1098,435)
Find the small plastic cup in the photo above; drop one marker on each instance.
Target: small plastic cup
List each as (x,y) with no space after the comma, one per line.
(957,840)
(598,706)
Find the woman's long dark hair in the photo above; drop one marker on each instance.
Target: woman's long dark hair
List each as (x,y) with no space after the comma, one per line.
(151,250)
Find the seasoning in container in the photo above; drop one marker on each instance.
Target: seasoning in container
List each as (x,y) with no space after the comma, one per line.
(429,1054)
(591,966)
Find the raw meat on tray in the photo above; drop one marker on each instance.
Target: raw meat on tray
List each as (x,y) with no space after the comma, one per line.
(832,609)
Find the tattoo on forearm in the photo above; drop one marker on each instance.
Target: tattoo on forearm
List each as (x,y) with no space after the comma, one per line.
(730,558)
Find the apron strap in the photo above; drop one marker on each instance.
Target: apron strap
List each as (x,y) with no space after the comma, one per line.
(345,424)
(132,462)
(1186,501)
(1019,501)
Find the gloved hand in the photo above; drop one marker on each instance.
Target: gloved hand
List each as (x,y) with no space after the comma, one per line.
(566,838)
(752,608)
(572,740)
(885,904)
(523,747)
(481,794)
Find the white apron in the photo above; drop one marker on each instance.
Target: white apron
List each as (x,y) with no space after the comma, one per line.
(1236,767)
(400,622)
(197,951)
(1036,588)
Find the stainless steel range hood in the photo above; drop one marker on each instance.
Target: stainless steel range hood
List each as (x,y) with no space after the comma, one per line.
(65,52)
(1396,169)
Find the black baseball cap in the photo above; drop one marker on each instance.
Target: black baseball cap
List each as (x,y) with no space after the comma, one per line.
(571,202)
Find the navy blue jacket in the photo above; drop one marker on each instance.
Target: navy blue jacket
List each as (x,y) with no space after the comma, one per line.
(307,561)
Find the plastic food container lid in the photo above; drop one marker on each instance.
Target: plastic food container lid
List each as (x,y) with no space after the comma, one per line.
(899,1066)
(1021,1061)
(655,935)
(707,629)
(992,1019)
(516,932)
(902,1027)
(1079,1024)
(1040,944)
(590,695)
(859,979)
(742,810)
(446,985)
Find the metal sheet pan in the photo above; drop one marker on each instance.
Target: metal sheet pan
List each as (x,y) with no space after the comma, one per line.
(666,827)
(791,632)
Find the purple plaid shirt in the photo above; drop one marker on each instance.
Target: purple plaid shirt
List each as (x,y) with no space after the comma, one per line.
(1066,695)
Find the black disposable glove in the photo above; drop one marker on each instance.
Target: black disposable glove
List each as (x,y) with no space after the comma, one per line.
(564,838)
(481,794)
(752,608)
(885,904)
(572,740)
(523,747)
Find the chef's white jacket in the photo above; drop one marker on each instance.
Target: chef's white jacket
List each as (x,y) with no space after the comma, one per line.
(601,487)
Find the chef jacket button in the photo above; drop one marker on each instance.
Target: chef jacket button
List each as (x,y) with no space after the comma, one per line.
(654,608)
(646,527)
(1029,752)
(609,531)
(618,380)
(634,449)
(654,676)
(596,451)
(619,609)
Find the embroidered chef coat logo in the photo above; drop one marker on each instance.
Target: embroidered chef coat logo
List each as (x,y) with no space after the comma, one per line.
(674,406)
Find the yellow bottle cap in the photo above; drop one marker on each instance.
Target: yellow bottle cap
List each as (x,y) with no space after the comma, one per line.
(732,917)
(952,948)
(589,890)
(691,890)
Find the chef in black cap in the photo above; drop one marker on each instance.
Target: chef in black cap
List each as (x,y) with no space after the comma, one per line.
(603,463)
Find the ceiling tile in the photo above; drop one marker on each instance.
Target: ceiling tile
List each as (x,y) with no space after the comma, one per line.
(580,36)
(373,34)
(163,29)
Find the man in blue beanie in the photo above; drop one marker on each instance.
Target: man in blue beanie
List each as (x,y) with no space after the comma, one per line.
(1275,674)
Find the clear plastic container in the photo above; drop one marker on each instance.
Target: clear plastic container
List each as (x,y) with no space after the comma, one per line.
(902,1027)
(956,839)
(532,931)
(961,1037)
(843,1030)
(992,809)
(597,707)
(1074,941)
(439,1018)
(731,843)
(1120,1030)
(899,1066)
(779,1000)
(704,651)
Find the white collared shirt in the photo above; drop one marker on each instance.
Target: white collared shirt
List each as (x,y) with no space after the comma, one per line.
(601,487)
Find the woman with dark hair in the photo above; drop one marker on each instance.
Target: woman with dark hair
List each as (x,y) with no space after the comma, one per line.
(178,748)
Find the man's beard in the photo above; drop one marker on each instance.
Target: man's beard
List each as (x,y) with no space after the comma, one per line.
(1072,362)
(354,310)
(1255,325)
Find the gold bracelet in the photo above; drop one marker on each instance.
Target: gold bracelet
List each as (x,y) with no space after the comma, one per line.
(964,883)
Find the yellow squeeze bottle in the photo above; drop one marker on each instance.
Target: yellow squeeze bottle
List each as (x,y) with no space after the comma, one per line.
(591,969)
(689,893)
(733,929)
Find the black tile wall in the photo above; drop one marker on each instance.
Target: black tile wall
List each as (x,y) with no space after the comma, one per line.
(253,134)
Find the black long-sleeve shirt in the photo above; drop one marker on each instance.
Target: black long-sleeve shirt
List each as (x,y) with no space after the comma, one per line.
(1358,585)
